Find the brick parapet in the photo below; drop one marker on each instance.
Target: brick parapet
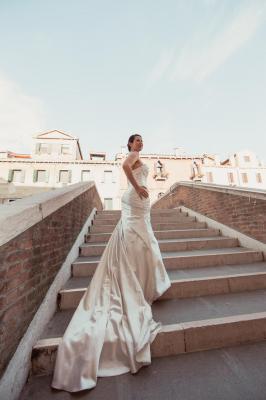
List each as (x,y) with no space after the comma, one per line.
(45,228)
(241,209)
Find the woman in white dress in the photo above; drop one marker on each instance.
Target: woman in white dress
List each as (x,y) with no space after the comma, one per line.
(112,328)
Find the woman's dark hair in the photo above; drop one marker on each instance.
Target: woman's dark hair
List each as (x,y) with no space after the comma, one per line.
(131,140)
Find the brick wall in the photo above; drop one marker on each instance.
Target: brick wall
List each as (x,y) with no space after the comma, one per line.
(29,263)
(242,210)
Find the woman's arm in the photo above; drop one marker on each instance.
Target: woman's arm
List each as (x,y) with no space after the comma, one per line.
(127,167)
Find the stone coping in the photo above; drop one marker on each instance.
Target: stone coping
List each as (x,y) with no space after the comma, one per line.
(238,191)
(18,216)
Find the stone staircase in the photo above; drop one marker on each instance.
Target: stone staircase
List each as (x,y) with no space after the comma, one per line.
(217,297)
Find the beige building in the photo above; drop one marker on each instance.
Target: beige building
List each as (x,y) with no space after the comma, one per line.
(56,160)
(240,169)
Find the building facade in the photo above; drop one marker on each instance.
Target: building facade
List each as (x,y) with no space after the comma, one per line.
(56,160)
(242,169)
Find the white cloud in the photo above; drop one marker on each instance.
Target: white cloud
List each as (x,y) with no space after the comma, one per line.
(21,116)
(160,68)
(200,57)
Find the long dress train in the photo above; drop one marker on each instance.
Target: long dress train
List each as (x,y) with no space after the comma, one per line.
(112,328)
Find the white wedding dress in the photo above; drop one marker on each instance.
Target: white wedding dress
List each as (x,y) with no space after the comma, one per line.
(112,328)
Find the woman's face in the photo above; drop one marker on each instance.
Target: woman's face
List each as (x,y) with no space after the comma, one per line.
(137,144)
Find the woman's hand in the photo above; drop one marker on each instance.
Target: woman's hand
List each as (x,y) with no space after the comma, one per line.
(142,192)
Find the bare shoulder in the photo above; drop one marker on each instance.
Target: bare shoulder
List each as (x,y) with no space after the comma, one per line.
(132,157)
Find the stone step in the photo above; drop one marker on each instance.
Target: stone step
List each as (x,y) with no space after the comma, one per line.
(176,245)
(85,266)
(189,325)
(213,280)
(160,235)
(154,220)
(210,257)
(186,283)
(154,214)
(176,311)
(233,373)
(162,211)
(155,226)
(103,212)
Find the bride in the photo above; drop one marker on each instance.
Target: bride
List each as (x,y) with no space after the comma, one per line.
(112,328)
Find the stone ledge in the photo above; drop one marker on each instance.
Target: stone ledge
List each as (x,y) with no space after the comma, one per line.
(19,216)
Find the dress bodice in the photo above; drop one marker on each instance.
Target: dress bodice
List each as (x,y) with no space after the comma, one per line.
(140,174)
(130,198)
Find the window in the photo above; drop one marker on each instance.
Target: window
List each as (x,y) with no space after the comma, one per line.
(246,158)
(65,149)
(97,156)
(209,177)
(230,177)
(43,148)
(244,177)
(16,176)
(40,175)
(108,204)
(85,176)
(259,177)
(65,176)
(108,176)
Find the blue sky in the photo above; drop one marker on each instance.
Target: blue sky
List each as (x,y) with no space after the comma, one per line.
(183,73)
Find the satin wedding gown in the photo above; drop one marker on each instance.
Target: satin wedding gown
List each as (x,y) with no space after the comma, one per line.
(112,328)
